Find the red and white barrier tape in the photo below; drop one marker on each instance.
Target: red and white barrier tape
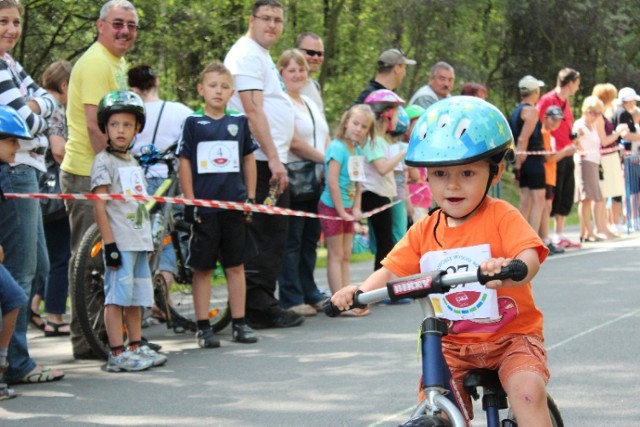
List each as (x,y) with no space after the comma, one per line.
(237,206)
(601,151)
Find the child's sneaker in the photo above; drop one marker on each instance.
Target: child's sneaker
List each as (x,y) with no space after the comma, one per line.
(6,392)
(244,334)
(127,361)
(157,359)
(207,339)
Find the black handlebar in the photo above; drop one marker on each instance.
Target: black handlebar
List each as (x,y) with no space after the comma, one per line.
(423,284)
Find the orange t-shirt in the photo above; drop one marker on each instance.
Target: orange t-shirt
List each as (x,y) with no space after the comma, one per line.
(501,226)
(549,165)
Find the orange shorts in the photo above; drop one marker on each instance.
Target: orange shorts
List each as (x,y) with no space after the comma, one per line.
(508,355)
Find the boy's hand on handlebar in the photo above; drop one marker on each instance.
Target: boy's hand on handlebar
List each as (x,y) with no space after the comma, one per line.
(492,267)
(343,299)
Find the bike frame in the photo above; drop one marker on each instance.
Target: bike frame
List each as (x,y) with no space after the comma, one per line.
(435,371)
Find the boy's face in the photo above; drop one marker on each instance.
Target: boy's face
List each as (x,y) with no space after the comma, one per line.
(8,149)
(121,129)
(459,189)
(552,123)
(216,89)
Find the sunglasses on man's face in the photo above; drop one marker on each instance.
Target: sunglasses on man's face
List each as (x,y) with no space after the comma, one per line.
(312,52)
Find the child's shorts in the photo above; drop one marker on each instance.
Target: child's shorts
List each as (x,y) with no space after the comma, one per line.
(130,285)
(12,296)
(509,355)
(334,227)
(220,233)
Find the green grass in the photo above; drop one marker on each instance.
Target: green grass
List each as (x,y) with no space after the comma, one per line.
(322,257)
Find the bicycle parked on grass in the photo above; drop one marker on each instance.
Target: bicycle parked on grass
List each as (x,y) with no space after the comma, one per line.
(169,230)
(438,408)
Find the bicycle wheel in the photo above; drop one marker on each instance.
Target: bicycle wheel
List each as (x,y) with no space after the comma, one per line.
(556,418)
(178,308)
(88,271)
(176,301)
(427,421)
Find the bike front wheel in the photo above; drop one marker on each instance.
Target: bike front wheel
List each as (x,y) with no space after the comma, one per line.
(88,271)
(554,412)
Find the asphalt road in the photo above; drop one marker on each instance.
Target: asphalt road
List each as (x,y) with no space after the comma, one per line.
(356,371)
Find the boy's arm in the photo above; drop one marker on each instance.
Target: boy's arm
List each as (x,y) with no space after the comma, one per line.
(100,215)
(186,177)
(343,299)
(494,265)
(250,175)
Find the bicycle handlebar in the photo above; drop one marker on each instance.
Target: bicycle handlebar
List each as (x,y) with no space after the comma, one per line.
(433,282)
(150,155)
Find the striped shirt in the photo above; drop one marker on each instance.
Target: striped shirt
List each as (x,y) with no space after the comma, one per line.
(16,88)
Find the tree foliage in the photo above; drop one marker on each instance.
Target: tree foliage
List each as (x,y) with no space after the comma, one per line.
(494,42)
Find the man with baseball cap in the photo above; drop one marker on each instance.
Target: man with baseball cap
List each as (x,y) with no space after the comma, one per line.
(441,80)
(526,128)
(392,67)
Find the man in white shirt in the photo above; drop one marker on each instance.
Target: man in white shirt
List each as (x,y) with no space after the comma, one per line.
(260,95)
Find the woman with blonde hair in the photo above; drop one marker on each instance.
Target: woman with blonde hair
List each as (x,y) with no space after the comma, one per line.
(587,170)
(612,184)
(298,290)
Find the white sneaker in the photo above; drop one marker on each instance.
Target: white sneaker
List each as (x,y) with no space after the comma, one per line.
(144,352)
(127,361)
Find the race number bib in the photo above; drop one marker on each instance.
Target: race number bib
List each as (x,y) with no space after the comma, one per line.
(356,168)
(218,157)
(132,181)
(469,301)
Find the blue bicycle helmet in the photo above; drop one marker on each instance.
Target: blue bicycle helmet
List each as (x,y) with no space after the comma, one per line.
(459,130)
(402,125)
(12,125)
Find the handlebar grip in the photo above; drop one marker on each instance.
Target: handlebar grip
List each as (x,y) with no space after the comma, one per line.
(516,271)
(332,311)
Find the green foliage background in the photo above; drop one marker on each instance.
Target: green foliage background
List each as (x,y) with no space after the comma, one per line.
(495,42)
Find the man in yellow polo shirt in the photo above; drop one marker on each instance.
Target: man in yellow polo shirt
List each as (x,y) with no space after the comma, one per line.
(99,70)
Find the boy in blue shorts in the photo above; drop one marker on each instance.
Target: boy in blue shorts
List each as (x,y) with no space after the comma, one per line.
(217,162)
(12,297)
(125,231)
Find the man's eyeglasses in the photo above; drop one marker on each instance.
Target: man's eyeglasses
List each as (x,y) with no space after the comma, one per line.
(312,52)
(268,19)
(119,25)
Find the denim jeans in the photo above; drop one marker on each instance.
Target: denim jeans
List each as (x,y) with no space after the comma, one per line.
(21,231)
(56,291)
(296,281)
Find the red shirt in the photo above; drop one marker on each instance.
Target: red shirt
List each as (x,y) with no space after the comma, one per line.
(566,125)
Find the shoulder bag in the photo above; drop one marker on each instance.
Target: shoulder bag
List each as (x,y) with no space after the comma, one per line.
(304,184)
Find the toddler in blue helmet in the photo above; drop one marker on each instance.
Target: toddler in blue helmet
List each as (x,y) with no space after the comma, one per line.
(12,297)
(462,142)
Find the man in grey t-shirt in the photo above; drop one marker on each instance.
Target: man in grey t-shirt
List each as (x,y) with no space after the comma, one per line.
(441,80)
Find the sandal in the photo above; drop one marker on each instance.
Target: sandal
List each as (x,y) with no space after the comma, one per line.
(44,375)
(356,312)
(56,330)
(34,320)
